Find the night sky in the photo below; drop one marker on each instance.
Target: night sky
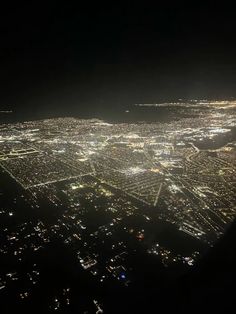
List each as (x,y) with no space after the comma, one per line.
(59,57)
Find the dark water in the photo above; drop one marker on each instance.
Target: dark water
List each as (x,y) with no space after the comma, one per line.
(110,114)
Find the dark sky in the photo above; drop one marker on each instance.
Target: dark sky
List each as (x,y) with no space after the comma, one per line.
(58,55)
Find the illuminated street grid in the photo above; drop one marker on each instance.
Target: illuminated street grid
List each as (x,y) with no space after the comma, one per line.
(116,181)
(153,163)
